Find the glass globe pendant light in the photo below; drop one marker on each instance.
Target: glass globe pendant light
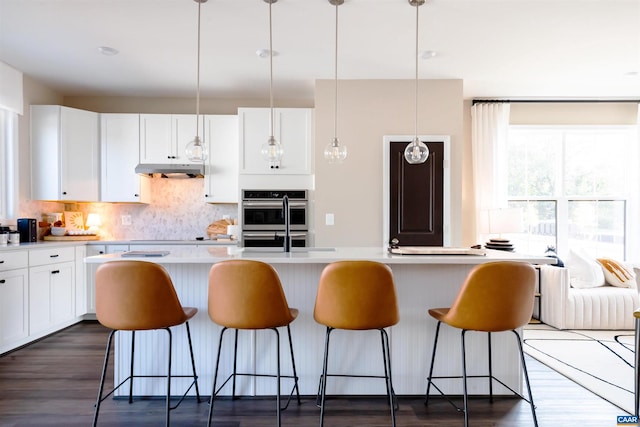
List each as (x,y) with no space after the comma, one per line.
(416,151)
(334,152)
(271,150)
(196,150)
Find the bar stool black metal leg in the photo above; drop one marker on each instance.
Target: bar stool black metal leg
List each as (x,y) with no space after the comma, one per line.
(235,364)
(278,410)
(526,378)
(293,364)
(464,380)
(133,344)
(168,377)
(386,358)
(387,370)
(102,378)
(490,368)
(433,358)
(215,377)
(193,362)
(323,380)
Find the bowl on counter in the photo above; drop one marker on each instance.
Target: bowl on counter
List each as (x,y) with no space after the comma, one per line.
(58,231)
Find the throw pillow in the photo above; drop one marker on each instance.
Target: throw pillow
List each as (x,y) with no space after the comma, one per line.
(584,271)
(617,274)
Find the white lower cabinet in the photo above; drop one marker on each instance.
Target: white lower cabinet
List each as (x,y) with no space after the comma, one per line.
(51,289)
(14,308)
(50,296)
(41,291)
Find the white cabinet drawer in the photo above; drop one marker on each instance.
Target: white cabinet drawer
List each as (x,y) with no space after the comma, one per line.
(13,260)
(51,256)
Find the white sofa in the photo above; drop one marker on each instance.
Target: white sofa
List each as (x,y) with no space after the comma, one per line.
(564,307)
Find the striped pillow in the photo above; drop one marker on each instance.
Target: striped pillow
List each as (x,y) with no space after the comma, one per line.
(617,274)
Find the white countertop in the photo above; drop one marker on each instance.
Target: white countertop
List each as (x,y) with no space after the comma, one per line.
(213,254)
(61,243)
(206,242)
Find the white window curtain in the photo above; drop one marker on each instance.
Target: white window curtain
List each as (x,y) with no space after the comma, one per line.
(8,164)
(489,129)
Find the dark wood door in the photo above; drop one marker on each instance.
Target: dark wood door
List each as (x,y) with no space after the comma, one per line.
(416,197)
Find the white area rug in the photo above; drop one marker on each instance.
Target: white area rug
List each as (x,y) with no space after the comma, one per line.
(600,361)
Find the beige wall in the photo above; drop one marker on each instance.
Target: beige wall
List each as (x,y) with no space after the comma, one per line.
(122,104)
(367,111)
(570,113)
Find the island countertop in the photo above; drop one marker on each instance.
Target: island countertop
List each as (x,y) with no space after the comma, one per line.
(422,282)
(211,255)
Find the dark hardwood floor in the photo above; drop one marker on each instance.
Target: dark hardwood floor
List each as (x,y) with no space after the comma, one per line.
(54,382)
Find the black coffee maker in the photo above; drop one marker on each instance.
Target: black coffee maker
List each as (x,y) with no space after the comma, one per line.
(28,229)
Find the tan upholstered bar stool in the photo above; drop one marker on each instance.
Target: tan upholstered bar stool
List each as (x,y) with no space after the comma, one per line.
(357,296)
(495,297)
(139,296)
(248,295)
(636,314)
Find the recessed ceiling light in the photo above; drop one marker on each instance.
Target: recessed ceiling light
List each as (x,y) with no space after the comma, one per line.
(264,53)
(632,74)
(427,54)
(108,51)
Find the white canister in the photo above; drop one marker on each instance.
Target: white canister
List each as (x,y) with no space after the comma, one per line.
(4,238)
(233,231)
(14,238)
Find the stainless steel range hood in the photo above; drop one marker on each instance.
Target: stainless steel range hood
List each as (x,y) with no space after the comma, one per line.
(171,171)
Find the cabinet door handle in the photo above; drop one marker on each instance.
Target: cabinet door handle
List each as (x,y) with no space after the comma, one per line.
(136,195)
(64,193)
(55,272)
(54,256)
(1,261)
(2,281)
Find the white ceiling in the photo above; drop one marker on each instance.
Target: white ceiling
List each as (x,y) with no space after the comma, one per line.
(500,48)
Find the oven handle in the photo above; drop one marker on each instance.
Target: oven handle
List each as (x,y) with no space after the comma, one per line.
(274,204)
(293,235)
(259,235)
(275,234)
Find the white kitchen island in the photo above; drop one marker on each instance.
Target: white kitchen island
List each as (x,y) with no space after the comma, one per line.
(422,282)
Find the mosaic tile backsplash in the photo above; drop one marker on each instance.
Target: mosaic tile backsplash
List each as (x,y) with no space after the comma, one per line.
(177,212)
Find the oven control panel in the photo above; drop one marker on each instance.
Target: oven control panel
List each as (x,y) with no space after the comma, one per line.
(274,194)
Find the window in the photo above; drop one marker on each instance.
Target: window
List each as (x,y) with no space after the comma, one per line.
(577,186)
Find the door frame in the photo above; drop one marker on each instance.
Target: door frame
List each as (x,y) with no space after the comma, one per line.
(446,182)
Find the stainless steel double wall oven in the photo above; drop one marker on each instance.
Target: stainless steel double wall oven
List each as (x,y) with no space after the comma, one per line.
(263,219)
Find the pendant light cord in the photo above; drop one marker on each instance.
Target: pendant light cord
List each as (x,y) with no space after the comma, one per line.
(417,6)
(335,109)
(198,76)
(271,67)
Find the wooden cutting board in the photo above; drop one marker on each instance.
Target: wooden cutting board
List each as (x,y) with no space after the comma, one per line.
(69,238)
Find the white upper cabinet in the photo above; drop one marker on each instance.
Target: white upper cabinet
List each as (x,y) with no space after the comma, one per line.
(293,128)
(64,154)
(221,167)
(119,155)
(164,137)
